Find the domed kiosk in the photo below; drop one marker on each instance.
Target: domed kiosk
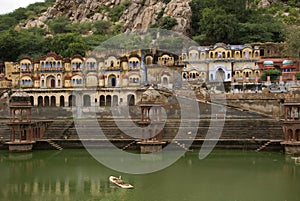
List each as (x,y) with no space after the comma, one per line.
(23,132)
(151,121)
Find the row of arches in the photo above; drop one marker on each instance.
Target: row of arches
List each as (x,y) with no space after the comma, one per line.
(195,55)
(50,81)
(51,64)
(104,101)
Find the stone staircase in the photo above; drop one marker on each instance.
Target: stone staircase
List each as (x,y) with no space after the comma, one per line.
(233,129)
(128,145)
(58,129)
(265,145)
(181,145)
(54,145)
(4,132)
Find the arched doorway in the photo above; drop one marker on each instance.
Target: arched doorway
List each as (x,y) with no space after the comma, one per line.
(40,101)
(220,74)
(72,100)
(86,101)
(62,101)
(115,100)
(46,101)
(50,81)
(131,100)
(102,101)
(53,101)
(108,100)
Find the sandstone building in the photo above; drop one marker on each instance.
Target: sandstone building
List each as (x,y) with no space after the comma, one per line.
(109,78)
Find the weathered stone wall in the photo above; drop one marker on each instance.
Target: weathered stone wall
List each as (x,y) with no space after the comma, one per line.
(269,104)
(266,103)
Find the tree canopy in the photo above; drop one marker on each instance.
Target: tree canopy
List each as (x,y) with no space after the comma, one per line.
(227,21)
(234,22)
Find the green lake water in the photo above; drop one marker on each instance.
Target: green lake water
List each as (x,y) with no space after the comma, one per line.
(72,175)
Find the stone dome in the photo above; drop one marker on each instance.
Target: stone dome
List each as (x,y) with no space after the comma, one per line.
(20,97)
(287,62)
(151,95)
(268,63)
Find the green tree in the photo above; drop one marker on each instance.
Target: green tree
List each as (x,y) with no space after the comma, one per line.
(19,14)
(116,12)
(15,44)
(272,73)
(94,41)
(81,28)
(262,28)
(292,48)
(167,22)
(60,25)
(233,21)
(297,75)
(217,26)
(68,44)
(101,27)
(6,22)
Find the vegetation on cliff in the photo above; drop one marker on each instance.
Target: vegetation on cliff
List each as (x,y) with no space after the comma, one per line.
(233,22)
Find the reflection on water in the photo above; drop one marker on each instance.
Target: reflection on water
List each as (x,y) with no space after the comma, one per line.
(52,176)
(75,175)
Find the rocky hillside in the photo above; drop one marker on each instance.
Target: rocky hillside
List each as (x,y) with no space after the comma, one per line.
(135,14)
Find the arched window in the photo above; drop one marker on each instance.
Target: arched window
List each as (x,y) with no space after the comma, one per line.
(148,61)
(112,81)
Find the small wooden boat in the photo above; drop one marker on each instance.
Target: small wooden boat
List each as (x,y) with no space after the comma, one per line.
(119,182)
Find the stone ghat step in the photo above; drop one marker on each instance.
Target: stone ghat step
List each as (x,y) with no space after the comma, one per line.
(248,124)
(226,134)
(57,129)
(4,131)
(232,128)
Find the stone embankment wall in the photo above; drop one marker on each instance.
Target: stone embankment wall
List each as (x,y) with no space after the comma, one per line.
(241,128)
(269,104)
